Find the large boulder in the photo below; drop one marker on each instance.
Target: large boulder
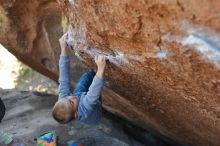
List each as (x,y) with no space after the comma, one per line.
(163,67)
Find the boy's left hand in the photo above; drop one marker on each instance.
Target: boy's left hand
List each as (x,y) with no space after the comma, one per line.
(63,44)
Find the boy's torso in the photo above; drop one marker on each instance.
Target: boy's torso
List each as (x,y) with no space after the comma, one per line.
(94,116)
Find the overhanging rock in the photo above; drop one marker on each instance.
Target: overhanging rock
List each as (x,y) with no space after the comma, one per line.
(164,56)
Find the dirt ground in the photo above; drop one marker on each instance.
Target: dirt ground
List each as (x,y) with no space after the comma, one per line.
(28,115)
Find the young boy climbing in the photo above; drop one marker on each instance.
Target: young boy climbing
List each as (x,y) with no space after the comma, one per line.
(84,104)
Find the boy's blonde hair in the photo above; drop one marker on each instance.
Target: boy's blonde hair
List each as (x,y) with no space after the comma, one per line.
(69,115)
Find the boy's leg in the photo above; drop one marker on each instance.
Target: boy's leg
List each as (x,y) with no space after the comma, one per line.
(84,82)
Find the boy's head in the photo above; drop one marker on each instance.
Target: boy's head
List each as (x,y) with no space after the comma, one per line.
(65,110)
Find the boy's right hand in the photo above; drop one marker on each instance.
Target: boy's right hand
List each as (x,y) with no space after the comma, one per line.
(101,62)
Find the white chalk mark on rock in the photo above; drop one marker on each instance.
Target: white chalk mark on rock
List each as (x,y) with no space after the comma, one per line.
(92,51)
(202,40)
(201,45)
(118,59)
(79,57)
(136,57)
(72,2)
(160,54)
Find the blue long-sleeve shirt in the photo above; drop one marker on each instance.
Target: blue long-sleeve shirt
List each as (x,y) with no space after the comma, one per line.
(90,107)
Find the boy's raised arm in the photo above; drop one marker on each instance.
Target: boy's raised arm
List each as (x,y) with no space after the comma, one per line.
(95,89)
(64,69)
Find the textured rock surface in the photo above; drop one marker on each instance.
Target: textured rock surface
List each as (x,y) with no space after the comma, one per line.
(164,56)
(30,30)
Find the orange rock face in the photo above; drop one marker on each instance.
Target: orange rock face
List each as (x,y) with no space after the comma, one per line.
(163,56)
(30,30)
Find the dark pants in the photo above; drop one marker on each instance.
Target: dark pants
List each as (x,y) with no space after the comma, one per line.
(84,82)
(2,110)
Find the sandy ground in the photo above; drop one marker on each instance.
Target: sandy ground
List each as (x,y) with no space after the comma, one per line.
(29,115)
